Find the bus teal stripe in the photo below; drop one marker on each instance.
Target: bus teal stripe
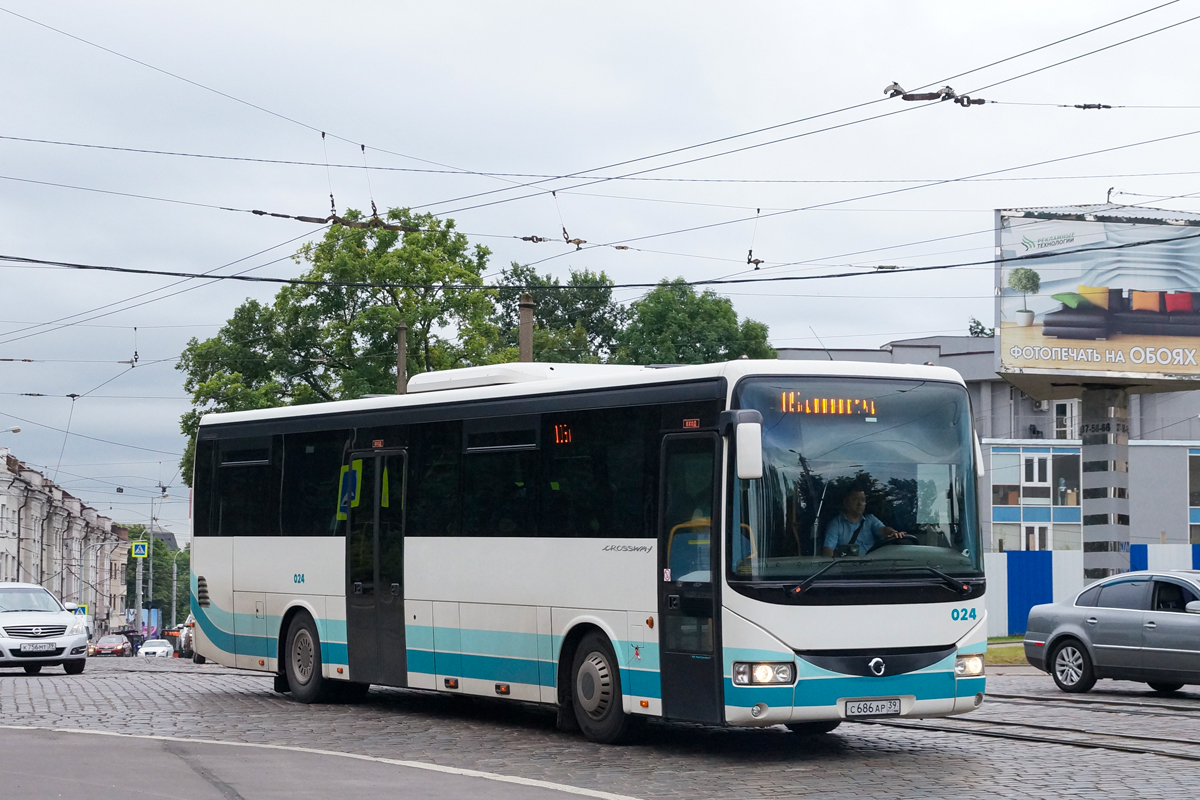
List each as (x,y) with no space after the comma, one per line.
(923,685)
(258,646)
(420,661)
(968,687)
(747,696)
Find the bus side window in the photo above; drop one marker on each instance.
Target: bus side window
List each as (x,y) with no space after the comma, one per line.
(311,468)
(247,486)
(596,474)
(434,460)
(202,487)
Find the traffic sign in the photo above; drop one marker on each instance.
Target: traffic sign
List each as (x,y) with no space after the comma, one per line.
(81,609)
(139,549)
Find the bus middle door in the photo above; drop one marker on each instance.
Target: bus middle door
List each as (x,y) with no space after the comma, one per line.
(688,605)
(375,570)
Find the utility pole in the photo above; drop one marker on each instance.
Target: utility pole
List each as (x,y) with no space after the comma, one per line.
(402,359)
(138,595)
(525,328)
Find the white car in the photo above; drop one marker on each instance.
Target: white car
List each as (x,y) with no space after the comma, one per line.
(37,631)
(157,648)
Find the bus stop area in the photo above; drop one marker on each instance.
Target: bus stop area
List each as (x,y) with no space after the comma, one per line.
(215,732)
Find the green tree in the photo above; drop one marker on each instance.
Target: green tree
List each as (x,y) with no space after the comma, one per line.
(979,330)
(674,324)
(322,342)
(160,567)
(577,323)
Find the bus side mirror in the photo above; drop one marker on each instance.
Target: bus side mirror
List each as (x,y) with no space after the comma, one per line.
(745,426)
(749,450)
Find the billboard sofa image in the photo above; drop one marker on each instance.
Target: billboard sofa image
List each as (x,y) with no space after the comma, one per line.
(1102,312)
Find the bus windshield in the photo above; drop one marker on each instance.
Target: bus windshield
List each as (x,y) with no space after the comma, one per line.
(877,474)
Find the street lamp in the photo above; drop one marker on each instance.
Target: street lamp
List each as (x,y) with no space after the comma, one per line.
(11,430)
(95,571)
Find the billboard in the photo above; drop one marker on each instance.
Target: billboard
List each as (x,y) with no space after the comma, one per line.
(1099,292)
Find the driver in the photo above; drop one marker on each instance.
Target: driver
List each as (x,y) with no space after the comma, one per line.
(853,531)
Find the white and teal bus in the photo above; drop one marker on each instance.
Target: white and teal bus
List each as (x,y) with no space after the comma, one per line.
(748,543)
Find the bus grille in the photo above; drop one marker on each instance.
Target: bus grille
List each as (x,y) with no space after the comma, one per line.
(202,592)
(35,631)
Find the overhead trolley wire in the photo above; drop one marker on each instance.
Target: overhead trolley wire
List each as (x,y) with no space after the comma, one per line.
(825,129)
(888,192)
(549,177)
(608,166)
(474,287)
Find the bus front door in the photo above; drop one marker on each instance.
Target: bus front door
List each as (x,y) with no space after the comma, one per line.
(688,604)
(375,569)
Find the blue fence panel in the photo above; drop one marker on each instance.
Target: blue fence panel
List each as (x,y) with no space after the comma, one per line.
(1030,583)
(1139,557)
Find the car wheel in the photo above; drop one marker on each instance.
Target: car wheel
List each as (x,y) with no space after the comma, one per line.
(303,664)
(74,667)
(813,728)
(596,691)
(1165,688)
(33,669)
(1071,667)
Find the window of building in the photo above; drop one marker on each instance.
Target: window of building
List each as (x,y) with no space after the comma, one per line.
(1006,537)
(1006,479)
(1037,537)
(1035,480)
(1066,419)
(1194,534)
(1064,469)
(1194,480)
(1066,537)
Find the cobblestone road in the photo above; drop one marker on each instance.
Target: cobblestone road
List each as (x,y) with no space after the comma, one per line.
(209,702)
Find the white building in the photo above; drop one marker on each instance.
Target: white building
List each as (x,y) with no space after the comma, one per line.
(49,537)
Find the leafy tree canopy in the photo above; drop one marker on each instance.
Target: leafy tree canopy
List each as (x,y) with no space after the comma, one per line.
(320,343)
(578,323)
(674,324)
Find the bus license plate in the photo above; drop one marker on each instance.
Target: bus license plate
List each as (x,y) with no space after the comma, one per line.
(887,707)
(38,647)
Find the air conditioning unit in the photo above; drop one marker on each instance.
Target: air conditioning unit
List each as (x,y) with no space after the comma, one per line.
(1041,405)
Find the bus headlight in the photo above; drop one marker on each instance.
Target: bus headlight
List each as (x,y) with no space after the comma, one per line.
(747,674)
(968,666)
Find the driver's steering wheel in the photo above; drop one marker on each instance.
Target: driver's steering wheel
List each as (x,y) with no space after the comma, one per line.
(907,538)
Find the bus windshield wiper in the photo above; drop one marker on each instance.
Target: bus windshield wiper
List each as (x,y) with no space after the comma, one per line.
(951,582)
(804,584)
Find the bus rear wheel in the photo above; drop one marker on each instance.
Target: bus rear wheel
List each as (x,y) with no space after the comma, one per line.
(596,691)
(303,662)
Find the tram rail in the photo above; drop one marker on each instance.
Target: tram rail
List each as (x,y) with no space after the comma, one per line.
(1185,749)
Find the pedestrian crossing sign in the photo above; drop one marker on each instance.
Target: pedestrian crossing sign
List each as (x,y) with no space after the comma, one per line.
(139,549)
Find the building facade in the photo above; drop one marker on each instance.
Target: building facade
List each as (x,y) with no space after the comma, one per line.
(1030,495)
(49,537)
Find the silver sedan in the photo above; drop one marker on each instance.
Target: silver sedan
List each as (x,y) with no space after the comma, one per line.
(1137,626)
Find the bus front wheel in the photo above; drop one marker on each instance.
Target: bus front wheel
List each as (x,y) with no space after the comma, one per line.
(303,664)
(596,691)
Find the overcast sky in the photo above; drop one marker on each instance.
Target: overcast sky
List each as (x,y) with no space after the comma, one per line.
(541,89)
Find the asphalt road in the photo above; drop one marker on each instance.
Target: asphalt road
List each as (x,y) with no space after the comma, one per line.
(73,765)
(415,743)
